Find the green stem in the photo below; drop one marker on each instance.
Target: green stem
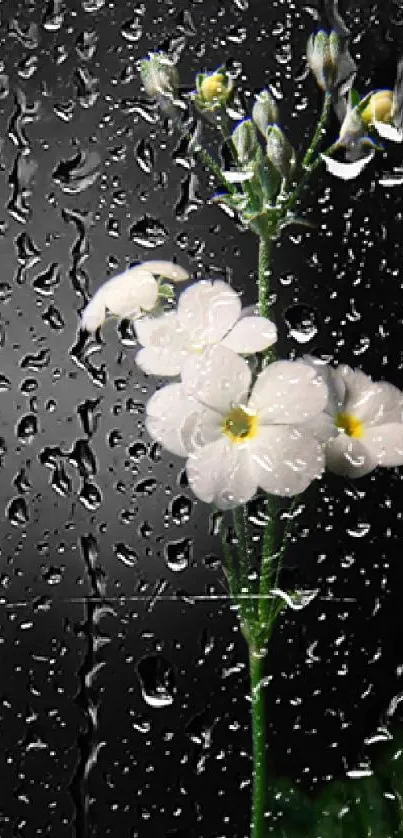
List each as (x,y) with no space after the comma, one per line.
(260,774)
(266,569)
(264,274)
(319,132)
(212,166)
(305,177)
(248,604)
(206,158)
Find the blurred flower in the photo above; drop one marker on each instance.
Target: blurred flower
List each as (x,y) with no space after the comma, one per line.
(208,313)
(374,111)
(235,443)
(378,107)
(264,111)
(323,54)
(213,90)
(363,122)
(279,151)
(160,78)
(130,293)
(362,424)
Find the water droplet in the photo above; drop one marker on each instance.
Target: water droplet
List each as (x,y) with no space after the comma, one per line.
(180,509)
(79,172)
(17,512)
(125,554)
(148,232)
(93,5)
(27,428)
(53,16)
(157,681)
(178,554)
(301,321)
(46,282)
(86,45)
(131,29)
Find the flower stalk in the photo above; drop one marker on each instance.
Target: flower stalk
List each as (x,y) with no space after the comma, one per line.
(260,773)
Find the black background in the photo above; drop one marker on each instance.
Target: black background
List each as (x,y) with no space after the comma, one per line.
(95,608)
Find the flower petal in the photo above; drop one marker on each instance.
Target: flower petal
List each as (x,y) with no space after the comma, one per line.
(160,361)
(222,473)
(349,457)
(347,171)
(385,442)
(166,344)
(94,314)
(369,400)
(250,334)
(238,176)
(169,270)
(388,132)
(288,392)
(334,381)
(217,378)
(171,418)
(124,295)
(322,427)
(286,460)
(208,310)
(160,331)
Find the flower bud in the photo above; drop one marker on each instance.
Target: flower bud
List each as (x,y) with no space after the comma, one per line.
(279,151)
(213,90)
(264,111)
(323,54)
(160,78)
(244,139)
(379,107)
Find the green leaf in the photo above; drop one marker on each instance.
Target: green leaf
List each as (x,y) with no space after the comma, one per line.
(355,97)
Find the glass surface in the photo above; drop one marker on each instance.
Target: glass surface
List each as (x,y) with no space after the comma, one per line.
(125,695)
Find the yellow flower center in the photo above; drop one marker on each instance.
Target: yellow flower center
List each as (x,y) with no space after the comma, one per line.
(212,87)
(379,107)
(349,424)
(239,425)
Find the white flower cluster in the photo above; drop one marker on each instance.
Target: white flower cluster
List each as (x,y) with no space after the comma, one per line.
(277,432)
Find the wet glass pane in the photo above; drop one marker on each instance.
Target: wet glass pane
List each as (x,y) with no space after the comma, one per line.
(201,586)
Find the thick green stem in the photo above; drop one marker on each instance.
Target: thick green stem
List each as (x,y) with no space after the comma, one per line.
(260,773)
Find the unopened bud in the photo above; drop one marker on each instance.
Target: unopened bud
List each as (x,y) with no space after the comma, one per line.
(160,78)
(213,90)
(280,151)
(264,111)
(323,54)
(245,141)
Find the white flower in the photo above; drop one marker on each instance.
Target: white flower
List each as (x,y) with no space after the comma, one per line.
(130,293)
(208,313)
(362,424)
(233,442)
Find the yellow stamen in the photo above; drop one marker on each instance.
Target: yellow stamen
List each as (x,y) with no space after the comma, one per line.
(239,425)
(212,87)
(349,424)
(379,107)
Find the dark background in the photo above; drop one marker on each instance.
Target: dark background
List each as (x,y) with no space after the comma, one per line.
(124,687)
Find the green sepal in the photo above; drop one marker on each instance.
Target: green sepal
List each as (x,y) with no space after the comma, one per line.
(166,291)
(268,176)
